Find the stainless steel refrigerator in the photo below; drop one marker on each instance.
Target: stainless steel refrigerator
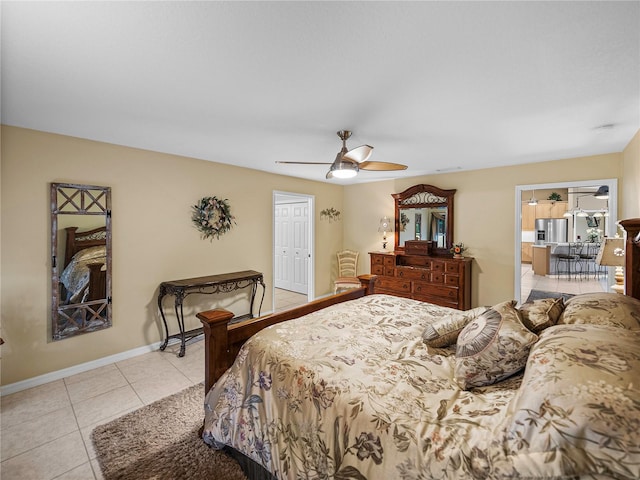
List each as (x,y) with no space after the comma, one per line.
(551,230)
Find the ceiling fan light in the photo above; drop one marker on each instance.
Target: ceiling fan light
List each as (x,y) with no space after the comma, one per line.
(342,168)
(344,173)
(602,193)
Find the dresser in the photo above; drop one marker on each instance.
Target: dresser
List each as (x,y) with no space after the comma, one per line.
(440,280)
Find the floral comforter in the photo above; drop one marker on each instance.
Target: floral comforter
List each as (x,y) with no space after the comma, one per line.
(352,392)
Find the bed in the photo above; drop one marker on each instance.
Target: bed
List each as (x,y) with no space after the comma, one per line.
(84,274)
(373,386)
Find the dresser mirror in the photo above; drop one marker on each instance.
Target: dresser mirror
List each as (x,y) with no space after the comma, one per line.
(80,259)
(424,212)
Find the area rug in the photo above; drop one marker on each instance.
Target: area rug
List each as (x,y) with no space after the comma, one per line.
(160,441)
(538,294)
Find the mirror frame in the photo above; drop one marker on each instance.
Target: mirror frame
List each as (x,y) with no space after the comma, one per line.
(425,196)
(90,315)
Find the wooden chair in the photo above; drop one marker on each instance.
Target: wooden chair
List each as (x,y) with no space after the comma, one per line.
(347,271)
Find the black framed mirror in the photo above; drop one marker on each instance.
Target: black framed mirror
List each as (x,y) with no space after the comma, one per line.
(424,212)
(80,259)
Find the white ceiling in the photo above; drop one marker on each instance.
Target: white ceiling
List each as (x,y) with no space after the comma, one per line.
(435,85)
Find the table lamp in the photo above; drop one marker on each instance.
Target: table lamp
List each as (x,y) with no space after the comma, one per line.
(611,254)
(386,225)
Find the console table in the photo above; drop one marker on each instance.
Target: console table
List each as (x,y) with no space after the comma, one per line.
(223,283)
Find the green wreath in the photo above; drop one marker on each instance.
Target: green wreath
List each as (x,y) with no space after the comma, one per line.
(212,217)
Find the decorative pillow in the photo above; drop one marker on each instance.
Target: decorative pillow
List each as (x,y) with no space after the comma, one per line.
(492,347)
(602,308)
(444,331)
(541,314)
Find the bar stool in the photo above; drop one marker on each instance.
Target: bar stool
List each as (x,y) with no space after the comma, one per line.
(588,259)
(570,259)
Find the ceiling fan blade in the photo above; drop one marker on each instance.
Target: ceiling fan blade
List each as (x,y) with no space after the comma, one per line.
(381,166)
(303,163)
(359,154)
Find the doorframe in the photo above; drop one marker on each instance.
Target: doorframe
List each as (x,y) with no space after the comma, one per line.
(310,199)
(612,224)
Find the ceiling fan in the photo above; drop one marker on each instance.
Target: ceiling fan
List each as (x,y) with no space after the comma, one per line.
(349,162)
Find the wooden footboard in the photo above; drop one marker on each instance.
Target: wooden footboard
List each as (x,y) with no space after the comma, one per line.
(222,340)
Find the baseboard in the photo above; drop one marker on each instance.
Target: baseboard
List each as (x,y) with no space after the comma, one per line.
(83,367)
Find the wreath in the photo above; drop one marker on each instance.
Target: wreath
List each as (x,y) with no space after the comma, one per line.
(212,217)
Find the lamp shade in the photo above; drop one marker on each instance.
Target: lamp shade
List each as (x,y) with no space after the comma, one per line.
(386,225)
(611,253)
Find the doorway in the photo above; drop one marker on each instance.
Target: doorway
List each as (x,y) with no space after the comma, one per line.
(611,224)
(293,265)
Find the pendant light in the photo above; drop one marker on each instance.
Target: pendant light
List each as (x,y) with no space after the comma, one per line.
(532,200)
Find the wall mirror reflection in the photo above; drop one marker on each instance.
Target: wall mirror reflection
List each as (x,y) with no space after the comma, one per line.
(80,259)
(425,212)
(424,224)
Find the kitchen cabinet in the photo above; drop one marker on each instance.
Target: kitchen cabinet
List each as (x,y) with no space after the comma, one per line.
(541,260)
(527,252)
(550,210)
(528,216)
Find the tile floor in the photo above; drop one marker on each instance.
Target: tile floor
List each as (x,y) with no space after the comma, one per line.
(556,283)
(285,299)
(45,430)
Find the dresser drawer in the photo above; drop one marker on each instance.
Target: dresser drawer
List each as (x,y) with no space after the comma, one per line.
(377,259)
(377,269)
(394,284)
(437,277)
(410,273)
(449,293)
(442,301)
(452,267)
(437,266)
(453,280)
(389,261)
(415,260)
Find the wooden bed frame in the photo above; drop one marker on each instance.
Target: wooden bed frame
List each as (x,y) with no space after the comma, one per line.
(223,340)
(77,241)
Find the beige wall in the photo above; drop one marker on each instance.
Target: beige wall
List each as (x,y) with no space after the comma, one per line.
(484,213)
(630,207)
(153,239)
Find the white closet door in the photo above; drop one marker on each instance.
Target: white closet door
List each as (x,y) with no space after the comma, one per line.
(281,274)
(299,247)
